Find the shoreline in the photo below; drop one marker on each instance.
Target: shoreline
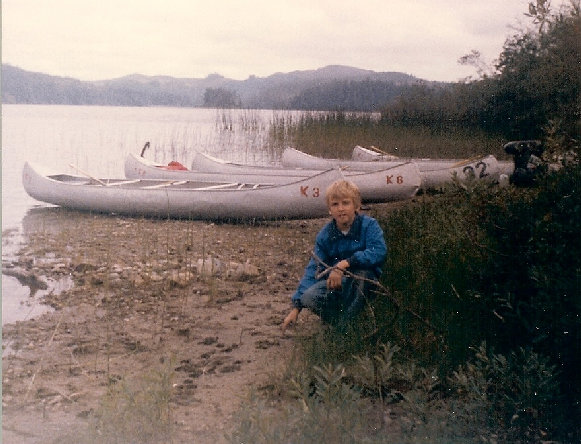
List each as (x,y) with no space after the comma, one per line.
(144,298)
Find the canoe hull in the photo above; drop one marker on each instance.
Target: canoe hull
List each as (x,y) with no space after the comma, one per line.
(399,182)
(366,155)
(435,173)
(303,199)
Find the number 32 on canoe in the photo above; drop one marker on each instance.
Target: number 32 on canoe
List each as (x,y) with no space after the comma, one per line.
(313,192)
(389,180)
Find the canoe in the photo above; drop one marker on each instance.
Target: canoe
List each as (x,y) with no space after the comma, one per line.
(137,167)
(398,182)
(182,198)
(505,167)
(365,154)
(435,173)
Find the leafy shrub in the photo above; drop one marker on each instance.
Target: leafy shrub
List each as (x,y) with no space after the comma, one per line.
(534,284)
(489,264)
(325,408)
(516,396)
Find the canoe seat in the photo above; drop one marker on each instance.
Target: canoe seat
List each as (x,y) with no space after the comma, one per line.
(165,184)
(123,182)
(217,187)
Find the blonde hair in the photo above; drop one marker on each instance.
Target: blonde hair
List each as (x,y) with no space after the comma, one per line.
(341,189)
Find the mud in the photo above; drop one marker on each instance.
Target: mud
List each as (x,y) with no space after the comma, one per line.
(204,301)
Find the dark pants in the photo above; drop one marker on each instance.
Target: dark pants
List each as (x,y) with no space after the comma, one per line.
(342,304)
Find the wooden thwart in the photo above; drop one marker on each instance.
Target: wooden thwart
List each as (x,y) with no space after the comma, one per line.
(84,173)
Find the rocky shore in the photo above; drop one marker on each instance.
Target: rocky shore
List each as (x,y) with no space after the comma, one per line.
(204,300)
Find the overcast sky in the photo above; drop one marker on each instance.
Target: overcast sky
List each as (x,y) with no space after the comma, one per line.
(104,39)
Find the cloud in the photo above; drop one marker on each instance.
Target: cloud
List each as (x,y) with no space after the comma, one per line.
(193,38)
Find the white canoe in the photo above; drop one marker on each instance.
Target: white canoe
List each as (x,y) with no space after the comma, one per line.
(367,155)
(397,182)
(181,198)
(137,167)
(505,167)
(435,173)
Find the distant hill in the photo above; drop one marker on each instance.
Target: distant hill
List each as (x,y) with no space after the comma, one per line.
(330,88)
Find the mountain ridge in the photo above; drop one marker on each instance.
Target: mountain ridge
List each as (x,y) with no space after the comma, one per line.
(278,90)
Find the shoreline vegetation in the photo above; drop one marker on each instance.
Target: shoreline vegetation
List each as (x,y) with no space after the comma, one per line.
(334,134)
(476,339)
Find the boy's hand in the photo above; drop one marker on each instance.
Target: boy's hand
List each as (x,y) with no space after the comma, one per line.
(336,275)
(334,280)
(291,318)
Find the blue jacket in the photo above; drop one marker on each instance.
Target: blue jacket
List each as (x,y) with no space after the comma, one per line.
(363,247)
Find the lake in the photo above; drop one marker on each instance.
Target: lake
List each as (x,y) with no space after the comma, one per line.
(96,140)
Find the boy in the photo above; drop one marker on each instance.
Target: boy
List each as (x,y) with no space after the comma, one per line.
(350,242)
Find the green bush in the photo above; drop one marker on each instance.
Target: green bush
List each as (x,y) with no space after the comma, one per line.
(434,260)
(515,395)
(488,264)
(491,398)
(534,280)
(324,409)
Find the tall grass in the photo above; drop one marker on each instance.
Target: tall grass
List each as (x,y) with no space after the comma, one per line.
(335,135)
(136,410)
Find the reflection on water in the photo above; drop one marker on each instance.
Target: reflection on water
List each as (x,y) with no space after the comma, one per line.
(53,220)
(22,303)
(19,305)
(22,289)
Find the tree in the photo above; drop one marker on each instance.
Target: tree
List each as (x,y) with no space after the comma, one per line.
(535,91)
(475,60)
(221,98)
(539,79)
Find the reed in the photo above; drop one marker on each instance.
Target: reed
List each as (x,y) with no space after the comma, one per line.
(335,135)
(136,409)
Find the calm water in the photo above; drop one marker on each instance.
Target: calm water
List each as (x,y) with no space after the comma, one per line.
(96,140)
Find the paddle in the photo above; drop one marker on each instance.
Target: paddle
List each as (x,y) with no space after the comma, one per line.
(87,174)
